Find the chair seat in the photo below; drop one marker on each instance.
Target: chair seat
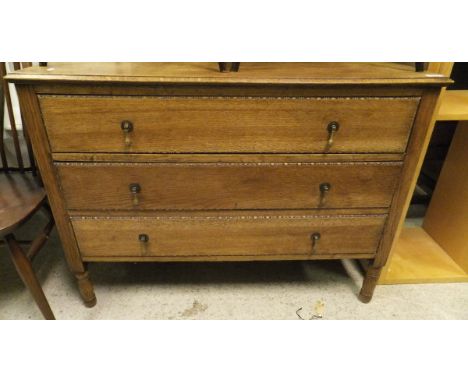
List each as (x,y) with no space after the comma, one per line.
(20,196)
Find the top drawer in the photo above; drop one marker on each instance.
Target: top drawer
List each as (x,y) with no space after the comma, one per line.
(227,124)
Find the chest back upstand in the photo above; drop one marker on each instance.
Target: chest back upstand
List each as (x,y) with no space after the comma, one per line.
(179,162)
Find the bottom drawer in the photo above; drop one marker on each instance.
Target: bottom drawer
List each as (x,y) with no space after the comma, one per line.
(170,237)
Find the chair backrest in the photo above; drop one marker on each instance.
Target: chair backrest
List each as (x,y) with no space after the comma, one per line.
(12,157)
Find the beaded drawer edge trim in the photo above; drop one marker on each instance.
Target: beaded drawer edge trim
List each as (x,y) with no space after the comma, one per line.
(391,98)
(225,164)
(244,217)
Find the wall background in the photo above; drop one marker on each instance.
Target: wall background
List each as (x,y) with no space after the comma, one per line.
(14,99)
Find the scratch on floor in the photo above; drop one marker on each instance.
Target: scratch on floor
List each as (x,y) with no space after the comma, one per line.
(196,308)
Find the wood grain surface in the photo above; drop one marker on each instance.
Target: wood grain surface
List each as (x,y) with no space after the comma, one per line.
(20,196)
(228,235)
(447,215)
(265,73)
(226,158)
(228,185)
(228,124)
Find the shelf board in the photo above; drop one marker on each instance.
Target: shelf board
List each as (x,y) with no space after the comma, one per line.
(419,259)
(453,106)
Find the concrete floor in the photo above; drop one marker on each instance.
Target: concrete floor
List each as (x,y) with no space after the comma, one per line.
(261,290)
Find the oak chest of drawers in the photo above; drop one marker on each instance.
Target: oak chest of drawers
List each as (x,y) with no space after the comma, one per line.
(177,162)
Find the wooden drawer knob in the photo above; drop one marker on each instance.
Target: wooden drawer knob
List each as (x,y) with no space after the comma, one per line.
(324,190)
(135,189)
(127,128)
(332,129)
(143,238)
(315,237)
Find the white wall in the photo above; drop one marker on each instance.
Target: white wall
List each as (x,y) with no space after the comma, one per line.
(14,99)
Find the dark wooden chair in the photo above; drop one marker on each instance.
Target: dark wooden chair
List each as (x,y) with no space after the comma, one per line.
(21,196)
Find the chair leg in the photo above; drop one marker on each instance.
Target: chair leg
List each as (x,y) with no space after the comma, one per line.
(26,272)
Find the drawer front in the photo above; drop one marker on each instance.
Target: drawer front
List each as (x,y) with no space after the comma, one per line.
(195,186)
(236,235)
(227,124)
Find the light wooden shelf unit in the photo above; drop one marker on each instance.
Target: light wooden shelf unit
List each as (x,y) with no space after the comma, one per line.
(453,106)
(437,252)
(418,258)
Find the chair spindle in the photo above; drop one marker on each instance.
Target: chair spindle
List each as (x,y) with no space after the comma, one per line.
(11,116)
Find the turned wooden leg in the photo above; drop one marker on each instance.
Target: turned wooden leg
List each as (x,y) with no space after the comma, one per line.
(86,289)
(369,283)
(26,272)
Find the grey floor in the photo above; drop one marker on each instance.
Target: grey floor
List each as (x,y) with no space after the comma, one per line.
(261,290)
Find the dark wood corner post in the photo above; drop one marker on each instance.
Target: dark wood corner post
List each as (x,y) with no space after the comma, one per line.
(416,151)
(369,284)
(30,106)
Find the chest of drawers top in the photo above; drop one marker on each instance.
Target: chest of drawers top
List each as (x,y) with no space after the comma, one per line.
(278,73)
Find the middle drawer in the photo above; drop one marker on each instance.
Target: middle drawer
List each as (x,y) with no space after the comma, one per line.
(204,186)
